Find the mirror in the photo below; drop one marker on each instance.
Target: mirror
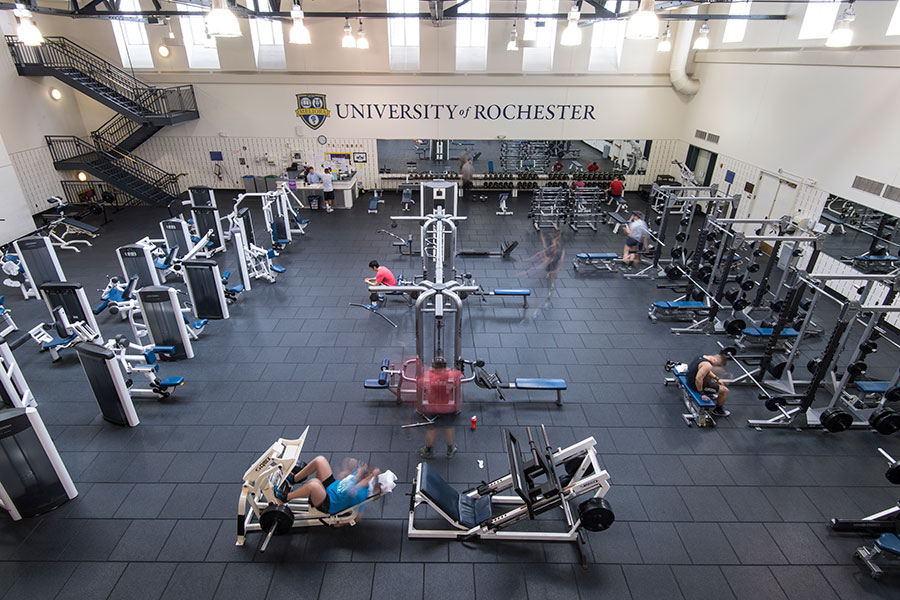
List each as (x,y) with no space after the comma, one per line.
(862,237)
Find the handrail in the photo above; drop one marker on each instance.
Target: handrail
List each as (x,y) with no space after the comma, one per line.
(60,52)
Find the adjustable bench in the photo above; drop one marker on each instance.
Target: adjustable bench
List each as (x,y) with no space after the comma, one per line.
(832,223)
(677,310)
(761,332)
(868,263)
(616,220)
(76,226)
(754,337)
(872,387)
(602,261)
(698,408)
(887,544)
(373,205)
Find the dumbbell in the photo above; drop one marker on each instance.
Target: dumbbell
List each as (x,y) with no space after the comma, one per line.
(886,420)
(893,472)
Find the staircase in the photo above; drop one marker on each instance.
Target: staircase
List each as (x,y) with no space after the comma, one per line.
(142,111)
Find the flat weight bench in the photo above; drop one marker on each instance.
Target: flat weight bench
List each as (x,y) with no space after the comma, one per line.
(698,408)
(558,385)
(523,292)
(872,387)
(373,205)
(462,511)
(80,227)
(598,260)
(887,544)
(764,332)
(832,223)
(616,219)
(677,310)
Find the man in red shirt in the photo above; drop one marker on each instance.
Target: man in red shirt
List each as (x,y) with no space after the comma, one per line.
(593,167)
(383,276)
(616,188)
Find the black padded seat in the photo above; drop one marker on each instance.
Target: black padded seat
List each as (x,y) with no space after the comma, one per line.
(463,509)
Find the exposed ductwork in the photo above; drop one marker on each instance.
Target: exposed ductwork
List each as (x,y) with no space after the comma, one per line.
(684,33)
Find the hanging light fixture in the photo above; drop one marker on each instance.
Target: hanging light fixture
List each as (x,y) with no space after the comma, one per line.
(299,32)
(171,33)
(27,31)
(665,44)
(571,35)
(702,41)
(347,41)
(644,24)
(361,42)
(842,36)
(221,22)
(512,46)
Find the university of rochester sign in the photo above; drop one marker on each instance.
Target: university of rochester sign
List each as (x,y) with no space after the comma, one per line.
(477,112)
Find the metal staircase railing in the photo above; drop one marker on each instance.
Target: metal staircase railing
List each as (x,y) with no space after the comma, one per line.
(63,54)
(106,159)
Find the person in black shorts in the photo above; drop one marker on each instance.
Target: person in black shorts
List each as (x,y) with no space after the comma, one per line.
(701,377)
(325,493)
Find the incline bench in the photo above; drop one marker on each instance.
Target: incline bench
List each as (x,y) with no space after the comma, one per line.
(677,310)
(698,408)
(616,220)
(602,261)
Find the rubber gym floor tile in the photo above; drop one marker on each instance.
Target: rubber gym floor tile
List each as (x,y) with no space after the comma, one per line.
(673,441)
(75,437)
(77,462)
(188,501)
(706,503)
(666,469)
(101,501)
(628,469)
(706,470)
(500,581)
(663,503)
(601,581)
(194,581)
(47,540)
(792,504)
(40,580)
(95,539)
(347,581)
(244,580)
(143,540)
(749,504)
(92,581)
(803,583)
(551,582)
(702,583)
(449,582)
(752,583)
(394,580)
(753,544)
(189,540)
(659,543)
(145,501)
(706,544)
(651,582)
(631,440)
(296,580)
(186,438)
(799,544)
(187,467)
(745,470)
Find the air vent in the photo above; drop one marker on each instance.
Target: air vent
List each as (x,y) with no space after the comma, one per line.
(712,137)
(868,185)
(700,134)
(892,193)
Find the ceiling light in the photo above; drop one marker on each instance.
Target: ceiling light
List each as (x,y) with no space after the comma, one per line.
(702,41)
(27,32)
(221,22)
(361,42)
(644,24)
(665,44)
(842,36)
(164,51)
(572,34)
(512,46)
(347,41)
(55,94)
(82,176)
(299,32)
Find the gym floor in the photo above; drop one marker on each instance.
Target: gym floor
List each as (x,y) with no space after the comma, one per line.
(722,513)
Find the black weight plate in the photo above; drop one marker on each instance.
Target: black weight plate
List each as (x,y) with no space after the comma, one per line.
(735,327)
(680,236)
(753,267)
(836,419)
(596,514)
(892,394)
(893,473)
(277,516)
(747,285)
(813,365)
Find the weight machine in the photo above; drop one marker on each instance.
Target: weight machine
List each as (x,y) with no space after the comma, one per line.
(72,319)
(71,225)
(35,260)
(254,262)
(163,322)
(539,488)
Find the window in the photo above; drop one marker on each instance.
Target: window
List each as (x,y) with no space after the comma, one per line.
(131,38)
(200,48)
(403,35)
(471,37)
(894,27)
(542,34)
(736,28)
(819,19)
(607,38)
(268,40)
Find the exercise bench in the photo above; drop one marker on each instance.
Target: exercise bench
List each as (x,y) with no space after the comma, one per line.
(760,336)
(602,261)
(698,409)
(833,222)
(677,310)
(616,220)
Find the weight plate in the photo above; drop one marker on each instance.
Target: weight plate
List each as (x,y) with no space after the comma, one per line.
(735,327)
(747,285)
(680,236)
(753,267)
(596,514)
(813,365)
(836,419)
(893,473)
(893,394)
(739,304)
(885,421)
(277,516)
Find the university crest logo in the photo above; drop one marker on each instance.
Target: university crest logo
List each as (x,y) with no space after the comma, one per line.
(311,108)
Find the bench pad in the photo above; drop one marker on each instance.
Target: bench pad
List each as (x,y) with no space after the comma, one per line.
(832,219)
(695,396)
(889,542)
(463,509)
(597,256)
(872,387)
(616,217)
(680,304)
(512,292)
(541,384)
(787,332)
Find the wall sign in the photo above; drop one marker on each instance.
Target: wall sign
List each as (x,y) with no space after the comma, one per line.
(311,109)
(359,157)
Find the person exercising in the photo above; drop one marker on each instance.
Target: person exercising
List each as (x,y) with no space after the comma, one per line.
(701,377)
(636,239)
(383,276)
(327,494)
(616,189)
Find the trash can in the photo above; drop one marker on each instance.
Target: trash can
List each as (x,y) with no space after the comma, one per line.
(313,202)
(249,184)
(271,183)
